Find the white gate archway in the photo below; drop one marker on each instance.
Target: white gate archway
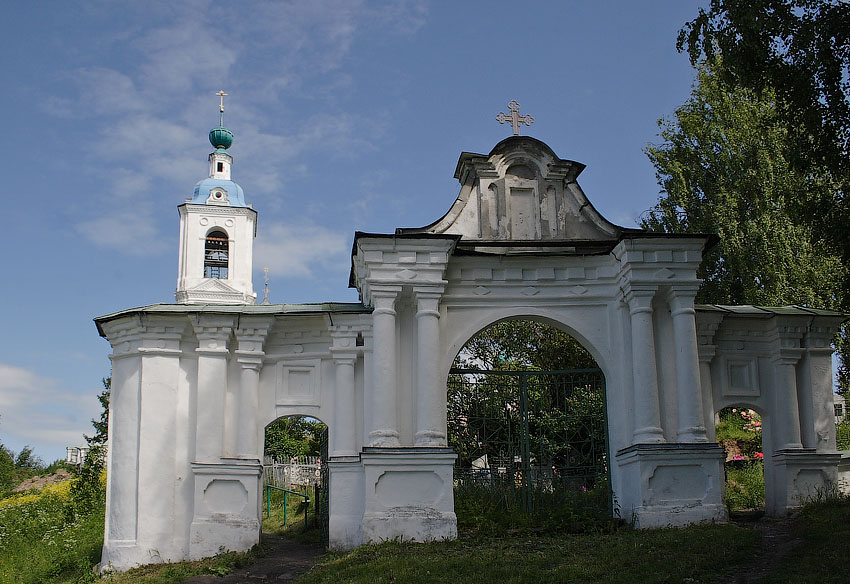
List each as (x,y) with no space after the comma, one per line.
(193,386)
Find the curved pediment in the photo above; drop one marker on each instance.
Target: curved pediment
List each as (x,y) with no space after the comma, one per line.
(521,192)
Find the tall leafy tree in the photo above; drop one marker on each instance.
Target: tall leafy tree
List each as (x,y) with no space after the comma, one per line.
(797,53)
(798,49)
(725,167)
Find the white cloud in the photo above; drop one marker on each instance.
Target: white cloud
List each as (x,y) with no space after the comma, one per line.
(37,411)
(300,250)
(132,232)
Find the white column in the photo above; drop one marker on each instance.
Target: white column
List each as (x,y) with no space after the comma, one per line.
(213,334)
(707,388)
(344,351)
(384,417)
(251,336)
(645,375)
(691,422)
(430,391)
(787,412)
(247,445)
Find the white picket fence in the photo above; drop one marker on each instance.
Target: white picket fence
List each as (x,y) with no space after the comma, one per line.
(299,471)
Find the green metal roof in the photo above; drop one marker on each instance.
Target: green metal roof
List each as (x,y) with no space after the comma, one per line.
(273,309)
(770,311)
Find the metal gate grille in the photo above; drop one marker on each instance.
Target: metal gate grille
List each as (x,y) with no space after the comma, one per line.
(534,433)
(323,490)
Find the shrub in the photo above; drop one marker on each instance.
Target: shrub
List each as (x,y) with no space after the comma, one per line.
(842,436)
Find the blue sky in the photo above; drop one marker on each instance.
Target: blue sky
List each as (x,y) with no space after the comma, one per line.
(348,115)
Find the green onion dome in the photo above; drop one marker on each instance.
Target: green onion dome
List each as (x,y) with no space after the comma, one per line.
(221,137)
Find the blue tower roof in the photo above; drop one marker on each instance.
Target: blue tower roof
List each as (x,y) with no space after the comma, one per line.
(203,188)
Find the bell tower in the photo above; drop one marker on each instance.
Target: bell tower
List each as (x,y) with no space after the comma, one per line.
(217,231)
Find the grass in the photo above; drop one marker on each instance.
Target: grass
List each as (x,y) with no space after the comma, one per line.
(696,554)
(175,573)
(42,540)
(295,517)
(745,486)
(821,558)
(494,509)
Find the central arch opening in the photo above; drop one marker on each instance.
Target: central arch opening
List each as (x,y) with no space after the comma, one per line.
(527,419)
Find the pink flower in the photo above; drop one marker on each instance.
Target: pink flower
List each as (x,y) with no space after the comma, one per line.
(738,457)
(759,455)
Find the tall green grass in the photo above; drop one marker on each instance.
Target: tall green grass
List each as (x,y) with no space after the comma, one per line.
(43,539)
(493,508)
(745,486)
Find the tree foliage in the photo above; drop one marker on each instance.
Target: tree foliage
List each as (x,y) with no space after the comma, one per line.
(725,167)
(523,344)
(295,436)
(794,54)
(799,49)
(101,426)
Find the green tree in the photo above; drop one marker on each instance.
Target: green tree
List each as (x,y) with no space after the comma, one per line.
(523,344)
(797,49)
(295,436)
(8,476)
(796,54)
(725,167)
(101,426)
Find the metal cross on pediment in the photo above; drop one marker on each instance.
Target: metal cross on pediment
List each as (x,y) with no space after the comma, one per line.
(514,117)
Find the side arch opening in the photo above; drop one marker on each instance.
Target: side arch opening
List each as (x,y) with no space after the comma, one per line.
(742,431)
(527,419)
(295,477)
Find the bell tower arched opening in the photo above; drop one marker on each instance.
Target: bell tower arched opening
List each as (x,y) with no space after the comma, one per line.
(216,254)
(527,420)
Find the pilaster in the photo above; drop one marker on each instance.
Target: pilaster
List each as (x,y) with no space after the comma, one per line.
(344,352)
(691,426)
(384,430)
(250,336)
(213,333)
(647,413)
(430,387)
(707,325)
(785,354)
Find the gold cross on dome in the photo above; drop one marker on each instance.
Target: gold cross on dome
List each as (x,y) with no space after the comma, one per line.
(514,117)
(221,95)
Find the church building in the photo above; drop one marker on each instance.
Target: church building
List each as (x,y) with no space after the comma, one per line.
(196,382)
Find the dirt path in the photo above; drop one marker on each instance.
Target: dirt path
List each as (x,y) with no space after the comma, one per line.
(776,540)
(284,561)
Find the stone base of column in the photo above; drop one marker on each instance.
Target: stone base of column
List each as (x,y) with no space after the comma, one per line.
(671,484)
(409,494)
(226,507)
(345,523)
(798,476)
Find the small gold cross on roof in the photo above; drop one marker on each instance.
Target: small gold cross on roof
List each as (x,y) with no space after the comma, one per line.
(221,95)
(514,117)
